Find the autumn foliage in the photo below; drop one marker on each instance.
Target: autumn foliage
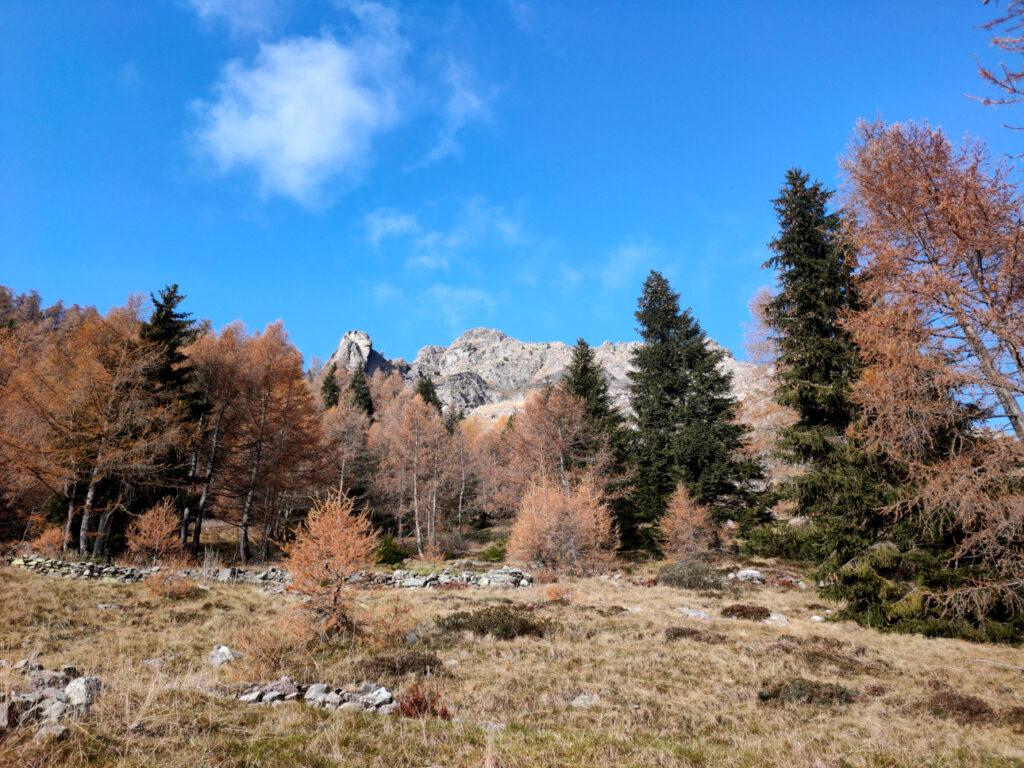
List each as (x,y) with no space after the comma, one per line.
(334,542)
(566,529)
(684,531)
(153,536)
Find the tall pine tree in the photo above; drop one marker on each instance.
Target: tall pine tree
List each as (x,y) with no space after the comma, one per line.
(840,488)
(585,380)
(360,389)
(330,390)
(685,415)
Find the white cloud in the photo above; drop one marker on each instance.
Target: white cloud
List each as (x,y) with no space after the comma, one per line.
(306,110)
(456,305)
(388,222)
(477,224)
(243,17)
(466,103)
(626,261)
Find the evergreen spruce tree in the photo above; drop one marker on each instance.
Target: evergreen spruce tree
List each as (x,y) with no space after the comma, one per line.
(173,379)
(360,389)
(841,488)
(685,415)
(585,380)
(425,389)
(330,390)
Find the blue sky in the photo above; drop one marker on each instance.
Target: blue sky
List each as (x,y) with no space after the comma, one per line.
(416,169)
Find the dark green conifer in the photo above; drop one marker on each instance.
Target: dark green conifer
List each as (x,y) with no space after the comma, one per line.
(360,389)
(426,390)
(684,411)
(330,390)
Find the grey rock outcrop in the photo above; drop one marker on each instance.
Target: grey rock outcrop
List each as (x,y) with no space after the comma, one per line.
(487,372)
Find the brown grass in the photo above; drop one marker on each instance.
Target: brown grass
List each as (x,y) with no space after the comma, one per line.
(684,703)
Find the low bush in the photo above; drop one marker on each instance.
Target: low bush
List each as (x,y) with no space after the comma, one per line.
(494,552)
(420,702)
(798,690)
(171,586)
(502,622)
(743,611)
(960,707)
(697,635)
(49,542)
(390,552)
(403,663)
(690,574)
(684,529)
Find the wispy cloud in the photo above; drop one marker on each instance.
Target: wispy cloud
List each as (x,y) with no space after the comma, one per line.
(626,262)
(386,293)
(477,224)
(455,306)
(243,17)
(306,110)
(388,222)
(467,102)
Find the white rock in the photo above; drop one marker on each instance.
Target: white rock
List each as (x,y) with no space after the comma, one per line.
(777,619)
(817,619)
(377,698)
(221,655)
(251,697)
(696,614)
(750,575)
(315,692)
(82,691)
(584,700)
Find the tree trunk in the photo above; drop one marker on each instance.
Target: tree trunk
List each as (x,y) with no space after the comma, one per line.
(90,501)
(211,462)
(69,526)
(243,526)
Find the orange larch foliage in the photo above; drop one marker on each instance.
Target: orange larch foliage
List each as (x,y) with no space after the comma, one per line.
(683,531)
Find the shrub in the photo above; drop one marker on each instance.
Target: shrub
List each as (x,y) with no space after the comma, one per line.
(556,593)
(568,529)
(798,690)
(390,552)
(494,552)
(741,611)
(49,542)
(689,574)
(683,530)
(404,663)
(154,535)
(960,707)
(503,622)
(416,701)
(279,647)
(697,635)
(328,547)
(171,586)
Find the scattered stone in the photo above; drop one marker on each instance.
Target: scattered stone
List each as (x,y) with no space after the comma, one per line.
(251,697)
(82,691)
(271,696)
(748,575)
(817,619)
(50,733)
(316,692)
(221,655)
(377,698)
(695,614)
(583,700)
(777,619)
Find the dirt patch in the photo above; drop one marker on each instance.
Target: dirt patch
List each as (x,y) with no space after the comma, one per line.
(798,690)
(502,622)
(697,635)
(404,663)
(744,611)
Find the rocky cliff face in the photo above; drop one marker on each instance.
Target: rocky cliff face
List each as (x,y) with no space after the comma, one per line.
(489,374)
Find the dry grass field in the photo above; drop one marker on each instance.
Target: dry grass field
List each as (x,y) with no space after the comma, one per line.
(649,700)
